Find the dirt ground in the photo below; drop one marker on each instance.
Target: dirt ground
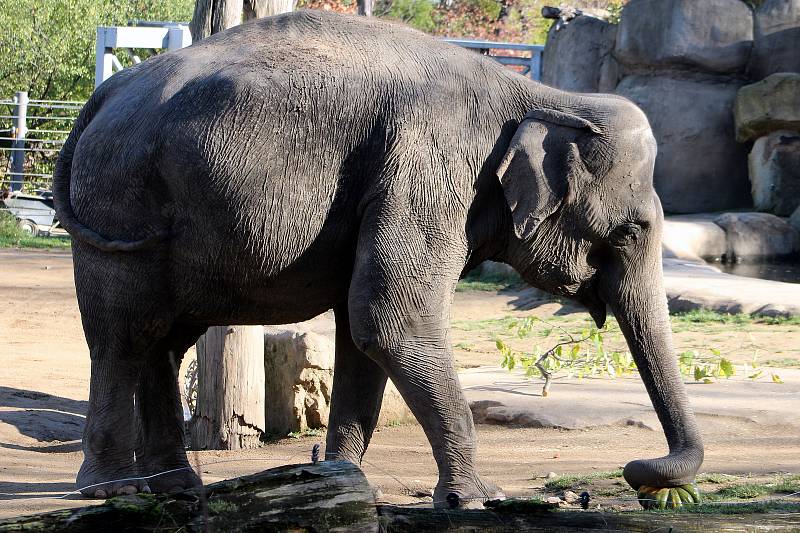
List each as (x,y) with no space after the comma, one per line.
(45,374)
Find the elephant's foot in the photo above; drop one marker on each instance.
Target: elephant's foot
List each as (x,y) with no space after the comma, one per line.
(668,497)
(95,481)
(166,479)
(465,493)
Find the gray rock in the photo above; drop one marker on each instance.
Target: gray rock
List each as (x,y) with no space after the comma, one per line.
(693,238)
(776,39)
(712,35)
(771,104)
(578,56)
(299,378)
(753,236)
(794,220)
(774,165)
(570,497)
(699,167)
(299,363)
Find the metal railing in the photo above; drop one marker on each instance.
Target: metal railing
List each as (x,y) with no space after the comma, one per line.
(31,135)
(526,57)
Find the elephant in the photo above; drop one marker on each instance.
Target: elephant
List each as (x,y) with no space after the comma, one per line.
(314,161)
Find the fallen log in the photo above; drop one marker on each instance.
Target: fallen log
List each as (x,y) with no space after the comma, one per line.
(335,496)
(326,496)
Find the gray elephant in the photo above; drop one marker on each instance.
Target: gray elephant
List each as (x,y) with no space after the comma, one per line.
(312,161)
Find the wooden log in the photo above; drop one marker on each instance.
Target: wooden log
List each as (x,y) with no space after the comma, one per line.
(327,496)
(335,496)
(230,409)
(400,519)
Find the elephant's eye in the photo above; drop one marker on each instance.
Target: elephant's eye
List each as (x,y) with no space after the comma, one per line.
(624,234)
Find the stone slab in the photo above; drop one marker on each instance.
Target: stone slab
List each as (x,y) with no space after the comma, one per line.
(690,285)
(693,237)
(497,396)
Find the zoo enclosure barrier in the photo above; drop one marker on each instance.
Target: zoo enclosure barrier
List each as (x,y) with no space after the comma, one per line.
(31,135)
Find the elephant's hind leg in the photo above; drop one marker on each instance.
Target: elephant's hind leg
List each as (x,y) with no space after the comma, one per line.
(357,395)
(125,315)
(161,444)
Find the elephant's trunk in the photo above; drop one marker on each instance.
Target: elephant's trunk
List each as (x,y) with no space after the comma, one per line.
(639,303)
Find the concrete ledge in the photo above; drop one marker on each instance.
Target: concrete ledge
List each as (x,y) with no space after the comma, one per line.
(691,285)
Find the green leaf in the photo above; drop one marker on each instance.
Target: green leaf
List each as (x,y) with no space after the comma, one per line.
(726,367)
(756,375)
(776,378)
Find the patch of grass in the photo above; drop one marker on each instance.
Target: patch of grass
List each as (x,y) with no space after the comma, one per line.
(748,491)
(739,508)
(306,433)
(13,237)
(222,507)
(573,481)
(489,282)
(712,477)
(704,316)
(786,362)
(490,324)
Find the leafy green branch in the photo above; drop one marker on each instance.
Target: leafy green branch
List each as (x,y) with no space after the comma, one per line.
(586,355)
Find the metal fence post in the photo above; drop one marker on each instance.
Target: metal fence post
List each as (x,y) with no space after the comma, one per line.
(20,131)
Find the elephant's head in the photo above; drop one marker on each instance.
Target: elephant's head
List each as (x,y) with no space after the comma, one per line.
(586,223)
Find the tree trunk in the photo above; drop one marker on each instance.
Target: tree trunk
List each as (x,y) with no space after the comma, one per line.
(213,16)
(365,8)
(230,360)
(230,409)
(254,9)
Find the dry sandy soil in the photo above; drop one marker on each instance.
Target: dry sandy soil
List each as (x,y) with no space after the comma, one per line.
(45,374)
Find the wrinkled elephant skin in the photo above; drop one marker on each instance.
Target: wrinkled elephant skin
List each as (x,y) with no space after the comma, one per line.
(312,161)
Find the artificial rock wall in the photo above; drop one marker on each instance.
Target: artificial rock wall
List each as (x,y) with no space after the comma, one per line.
(684,62)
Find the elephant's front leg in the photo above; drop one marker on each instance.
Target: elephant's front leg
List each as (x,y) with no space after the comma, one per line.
(357,396)
(399,314)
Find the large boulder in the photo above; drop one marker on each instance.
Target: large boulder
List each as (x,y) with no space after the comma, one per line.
(776,39)
(775,172)
(299,362)
(299,379)
(769,105)
(712,35)
(578,56)
(693,238)
(699,167)
(758,236)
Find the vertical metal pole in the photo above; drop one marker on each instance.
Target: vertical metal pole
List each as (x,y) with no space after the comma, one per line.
(103,60)
(536,65)
(19,134)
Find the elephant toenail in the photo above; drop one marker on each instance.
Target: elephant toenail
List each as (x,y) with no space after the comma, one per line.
(128,489)
(100,493)
(146,489)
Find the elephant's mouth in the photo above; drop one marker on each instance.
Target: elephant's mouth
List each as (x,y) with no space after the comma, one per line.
(589,297)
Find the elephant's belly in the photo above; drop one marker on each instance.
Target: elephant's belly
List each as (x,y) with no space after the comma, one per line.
(284,286)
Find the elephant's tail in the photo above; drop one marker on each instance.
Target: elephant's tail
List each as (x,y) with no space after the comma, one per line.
(62,178)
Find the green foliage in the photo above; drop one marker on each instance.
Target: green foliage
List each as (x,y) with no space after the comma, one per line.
(748,491)
(615,11)
(584,354)
(489,282)
(48,47)
(13,237)
(311,432)
(416,13)
(573,481)
(704,316)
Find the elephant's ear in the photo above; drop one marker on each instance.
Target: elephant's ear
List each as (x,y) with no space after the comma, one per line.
(534,171)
